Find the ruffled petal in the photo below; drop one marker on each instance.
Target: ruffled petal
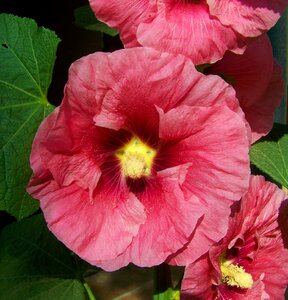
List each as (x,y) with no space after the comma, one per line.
(125,16)
(188,29)
(248,17)
(91,229)
(163,83)
(256,292)
(196,283)
(213,139)
(162,234)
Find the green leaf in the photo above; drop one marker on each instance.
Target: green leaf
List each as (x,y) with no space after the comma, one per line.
(27,58)
(35,265)
(85,18)
(168,294)
(270,155)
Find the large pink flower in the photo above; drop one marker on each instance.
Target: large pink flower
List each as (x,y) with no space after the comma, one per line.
(251,262)
(141,149)
(257,80)
(202,30)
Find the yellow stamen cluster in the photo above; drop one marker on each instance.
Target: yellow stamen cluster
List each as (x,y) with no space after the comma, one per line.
(136,159)
(234,275)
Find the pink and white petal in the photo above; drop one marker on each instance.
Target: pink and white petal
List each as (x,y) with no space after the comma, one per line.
(197,281)
(260,115)
(125,16)
(249,73)
(94,230)
(188,29)
(248,17)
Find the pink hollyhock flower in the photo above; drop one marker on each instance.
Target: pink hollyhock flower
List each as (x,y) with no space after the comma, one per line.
(202,30)
(184,27)
(140,150)
(251,262)
(257,80)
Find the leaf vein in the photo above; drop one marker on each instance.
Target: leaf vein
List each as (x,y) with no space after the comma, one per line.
(45,252)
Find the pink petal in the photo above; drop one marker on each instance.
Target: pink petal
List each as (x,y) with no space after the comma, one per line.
(197,280)
(188,29)
(258,219)
(214,139)
(260,210)
(273,263)
(258,87)
(93,230)
(164,82)
(260,115)
(250,72)
(248,17)
(256,292)
(162,233)
(125,16)
(254,219)
(53,154)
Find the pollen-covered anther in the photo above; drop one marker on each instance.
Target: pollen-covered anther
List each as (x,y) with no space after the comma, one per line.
(234,275)
(136,159)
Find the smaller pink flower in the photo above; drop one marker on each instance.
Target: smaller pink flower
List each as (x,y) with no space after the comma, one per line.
(257,80)
(251,262)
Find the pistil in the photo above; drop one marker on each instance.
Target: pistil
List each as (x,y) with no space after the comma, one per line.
(234,275)
(136,159)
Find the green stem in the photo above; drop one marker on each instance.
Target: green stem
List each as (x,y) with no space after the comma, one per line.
(162,282)
(89,292)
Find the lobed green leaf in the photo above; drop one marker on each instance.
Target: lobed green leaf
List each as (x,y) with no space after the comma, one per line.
(27,56)
(35,265)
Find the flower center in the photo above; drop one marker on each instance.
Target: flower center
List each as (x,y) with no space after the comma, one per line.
(234,275)
(136,159)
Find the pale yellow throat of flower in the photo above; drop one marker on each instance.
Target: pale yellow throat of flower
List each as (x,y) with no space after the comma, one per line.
(136,159)
(234,275)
